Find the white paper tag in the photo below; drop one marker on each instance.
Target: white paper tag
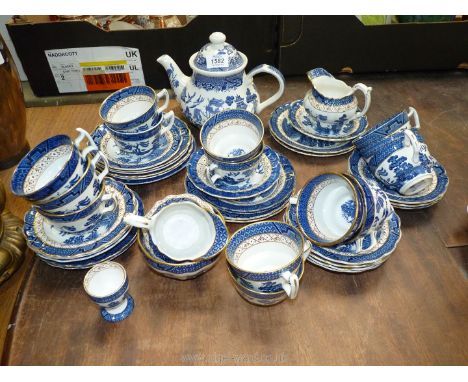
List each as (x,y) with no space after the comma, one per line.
(2,60)
(217,61)
(95,69)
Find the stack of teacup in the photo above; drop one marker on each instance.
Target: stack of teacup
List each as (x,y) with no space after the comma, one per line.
(235,172)
(70,200)
(266,261)
(142,143)
(350,222)
(394,156)
(326,121)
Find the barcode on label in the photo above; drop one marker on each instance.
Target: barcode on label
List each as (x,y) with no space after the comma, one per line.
(114,68)
(107,81)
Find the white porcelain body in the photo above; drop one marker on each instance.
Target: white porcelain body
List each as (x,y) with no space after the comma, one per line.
(332,101)
(182,231)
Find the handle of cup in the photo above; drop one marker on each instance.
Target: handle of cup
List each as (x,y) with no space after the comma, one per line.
(290,284)
(411,140)
(412,113)
(279,77)
(91,145)
(163,93)
(137,221)
(360,241)
(307,249)
(293,200)
(111,207)
(211,172)
(366,90)
(167,122)
(101,157)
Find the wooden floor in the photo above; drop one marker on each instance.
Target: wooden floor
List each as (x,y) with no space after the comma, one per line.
(412,310)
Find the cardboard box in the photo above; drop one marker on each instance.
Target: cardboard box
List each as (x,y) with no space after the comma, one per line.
(256,36)
(343,43)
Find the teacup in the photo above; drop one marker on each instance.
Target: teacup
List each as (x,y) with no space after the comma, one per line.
(232,136)
(403,163)
(52,167)
(329,210)
(107,285)
(86,218)
(83,192)
(133,109)
(181,230)
(368,143)
(141,143)
(266,255)
(232,172)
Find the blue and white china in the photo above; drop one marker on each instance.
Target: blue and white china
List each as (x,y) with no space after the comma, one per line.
(332,102)
(63,244)
(171,143)
(52,167)
(133,109)
(283,132)
(173,217)
(426,198)
(403,163)
(218,82)
(232,136)
(397,122)
(314,128)
(282,192)
(143,142)
(233,173)
(265,176)
(83,193)
(266,254)
(329,209)
(262,298)
(107,286)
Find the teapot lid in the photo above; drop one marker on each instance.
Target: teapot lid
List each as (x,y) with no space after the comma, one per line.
(219,56)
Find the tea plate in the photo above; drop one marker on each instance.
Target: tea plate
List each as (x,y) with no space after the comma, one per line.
(283,132)
(170,142)
(358,167)
(265,177)
(60,244)
(307,125)
(283,191)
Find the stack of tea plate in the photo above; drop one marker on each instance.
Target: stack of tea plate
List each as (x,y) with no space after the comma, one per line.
(325,122)
(393,156)
(245,180)
(181,237)
(141,142)
(77,216)
(351,224)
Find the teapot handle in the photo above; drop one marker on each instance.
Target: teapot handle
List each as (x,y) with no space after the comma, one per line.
(366,90)
(279,77)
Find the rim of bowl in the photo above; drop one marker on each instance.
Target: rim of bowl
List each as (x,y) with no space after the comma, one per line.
(356,199)
(272,270)
(364,212)
(243,157)
(121,90)
(87,278)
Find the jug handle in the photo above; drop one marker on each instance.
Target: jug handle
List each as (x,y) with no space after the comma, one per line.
(279,77)
(366,90)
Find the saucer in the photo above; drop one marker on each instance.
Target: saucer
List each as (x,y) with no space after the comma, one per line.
(431,195)
(264,178)
(283,132)
(283,191)
(170,143)
(119,316)
(307,125)
(61,244)
(237,217)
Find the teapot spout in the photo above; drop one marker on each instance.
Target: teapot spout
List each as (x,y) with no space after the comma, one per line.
(177,79)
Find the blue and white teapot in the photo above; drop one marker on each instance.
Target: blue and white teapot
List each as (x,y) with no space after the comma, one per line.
(218,82)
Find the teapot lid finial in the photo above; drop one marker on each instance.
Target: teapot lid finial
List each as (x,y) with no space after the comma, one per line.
(218,56)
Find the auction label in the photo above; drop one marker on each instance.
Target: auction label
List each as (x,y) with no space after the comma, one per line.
(95,69)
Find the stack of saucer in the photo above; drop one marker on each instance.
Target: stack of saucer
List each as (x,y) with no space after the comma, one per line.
(325,122)
(141,142)
(77,217)
(182,236)
(393,156)
(245,180)
(358,230)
